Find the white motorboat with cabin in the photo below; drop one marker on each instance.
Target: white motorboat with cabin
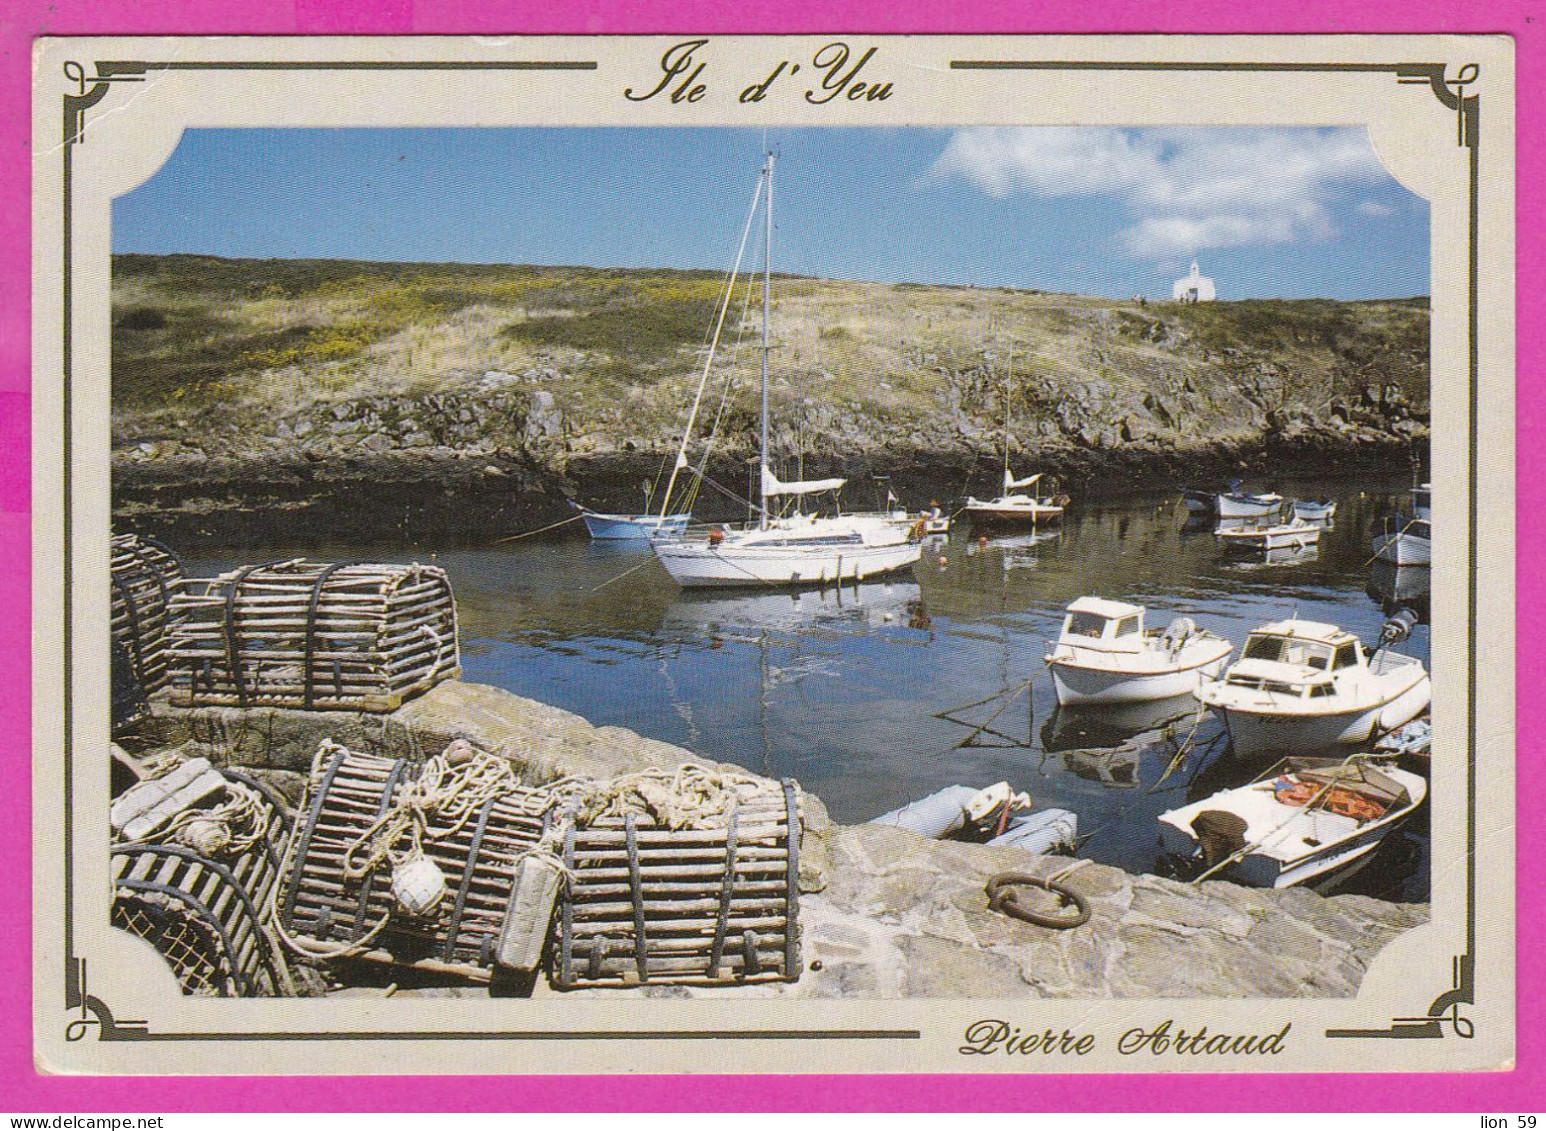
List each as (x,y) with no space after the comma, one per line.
(1302,686)
(1310,821)
(795,549)
(1296,535)
(1236,504)
(1105,655)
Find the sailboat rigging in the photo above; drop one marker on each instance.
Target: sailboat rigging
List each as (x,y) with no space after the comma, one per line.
(795,549)
(1014,507)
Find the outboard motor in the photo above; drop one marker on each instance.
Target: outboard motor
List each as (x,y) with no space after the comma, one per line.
(1398,626)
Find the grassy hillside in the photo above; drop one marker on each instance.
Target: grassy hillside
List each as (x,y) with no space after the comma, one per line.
(217,357)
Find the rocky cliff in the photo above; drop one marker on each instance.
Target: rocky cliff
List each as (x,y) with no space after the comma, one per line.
(300,396)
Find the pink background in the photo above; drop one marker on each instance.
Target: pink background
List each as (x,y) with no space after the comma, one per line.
(23,1090)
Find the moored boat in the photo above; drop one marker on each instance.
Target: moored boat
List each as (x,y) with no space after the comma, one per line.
(1315,510)
(1402,540)
(797,549)
(1200,502)
(1014,507)
(1305,686)
(1296,535)
(632,527)
(1104,655)
(1239,505)
(1309,821)
(997,816)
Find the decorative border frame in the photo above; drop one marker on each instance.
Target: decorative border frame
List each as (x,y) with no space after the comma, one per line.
(90,1012)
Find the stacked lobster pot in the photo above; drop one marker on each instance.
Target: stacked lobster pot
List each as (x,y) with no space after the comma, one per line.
(314,636)
(146,576)
(685,877)
(194,860)
(414,863)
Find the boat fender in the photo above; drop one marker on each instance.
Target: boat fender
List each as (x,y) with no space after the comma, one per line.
(418,886)
(716,536)
(529,913)
(1005,899)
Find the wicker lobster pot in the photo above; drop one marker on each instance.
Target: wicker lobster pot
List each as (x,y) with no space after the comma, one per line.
(146,576)
(315,636)
(323,911)
(206,914)
(715,904)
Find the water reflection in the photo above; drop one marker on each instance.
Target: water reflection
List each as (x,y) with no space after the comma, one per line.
(844,689)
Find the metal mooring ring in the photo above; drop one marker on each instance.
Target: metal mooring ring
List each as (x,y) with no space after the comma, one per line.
(1003,898)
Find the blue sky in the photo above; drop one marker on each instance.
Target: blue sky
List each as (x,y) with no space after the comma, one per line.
(1286,212)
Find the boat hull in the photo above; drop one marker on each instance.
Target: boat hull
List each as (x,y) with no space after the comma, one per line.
(633,528)
(702,565)
(1253,733)
(1078,685)
(1301,538)
(1337,863)
(990,516)
(1403,549)
(1235,506)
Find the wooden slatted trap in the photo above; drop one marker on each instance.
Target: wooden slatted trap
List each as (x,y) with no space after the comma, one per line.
(343,636)
(684,878)
(356,858)
(146,576)
(195,862)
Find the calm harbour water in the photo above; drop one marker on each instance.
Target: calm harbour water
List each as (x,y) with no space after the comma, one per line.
(840,688)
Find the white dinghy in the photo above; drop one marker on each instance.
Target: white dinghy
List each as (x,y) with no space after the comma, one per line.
(1296,535)
(1239,505)
(799,549)
(1301,686)
(1104,655)
(1315,510)
(1309,821)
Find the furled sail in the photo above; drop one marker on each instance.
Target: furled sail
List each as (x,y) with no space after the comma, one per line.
(772,486)
(1011,483)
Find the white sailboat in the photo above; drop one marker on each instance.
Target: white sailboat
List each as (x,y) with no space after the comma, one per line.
(1014,507)
(798,549)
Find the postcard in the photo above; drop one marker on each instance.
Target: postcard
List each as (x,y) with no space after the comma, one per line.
(731,554)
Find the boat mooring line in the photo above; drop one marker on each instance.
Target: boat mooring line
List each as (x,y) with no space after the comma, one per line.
(625,573)
(540,530)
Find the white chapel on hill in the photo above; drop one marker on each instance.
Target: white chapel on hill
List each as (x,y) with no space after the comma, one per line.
(1195,287)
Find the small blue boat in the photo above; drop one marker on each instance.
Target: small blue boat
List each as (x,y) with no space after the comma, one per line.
(633,527)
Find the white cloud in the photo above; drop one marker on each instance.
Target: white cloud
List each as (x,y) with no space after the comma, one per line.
(1182,190)
(1374,208)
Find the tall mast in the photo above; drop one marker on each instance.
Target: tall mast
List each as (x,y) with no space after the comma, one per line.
(1006,423)
(767,279)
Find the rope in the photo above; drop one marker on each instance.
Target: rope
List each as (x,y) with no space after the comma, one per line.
(625,573)
(540,530)
(443,792)
(244,815)
(689,797)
